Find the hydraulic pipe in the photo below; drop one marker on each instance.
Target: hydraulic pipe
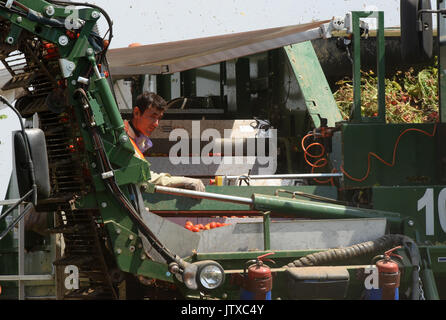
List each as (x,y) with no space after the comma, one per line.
(293,207)
(107,97)
(202,195)
(110,104)
(318,210)
(288,176)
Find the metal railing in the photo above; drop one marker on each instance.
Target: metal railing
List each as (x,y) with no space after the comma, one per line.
(21,277)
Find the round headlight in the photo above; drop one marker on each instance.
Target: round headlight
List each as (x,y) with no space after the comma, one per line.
(211,276)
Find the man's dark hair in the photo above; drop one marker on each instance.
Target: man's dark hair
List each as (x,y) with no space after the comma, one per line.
(147,99)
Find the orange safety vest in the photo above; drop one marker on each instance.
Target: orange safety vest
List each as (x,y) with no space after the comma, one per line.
(138,152)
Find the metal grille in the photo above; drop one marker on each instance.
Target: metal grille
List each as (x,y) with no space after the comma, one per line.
(84,248)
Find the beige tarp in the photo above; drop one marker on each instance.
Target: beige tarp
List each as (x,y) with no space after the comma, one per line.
(188,54)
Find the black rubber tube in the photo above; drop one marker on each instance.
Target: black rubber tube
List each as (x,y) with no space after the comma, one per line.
(338,254)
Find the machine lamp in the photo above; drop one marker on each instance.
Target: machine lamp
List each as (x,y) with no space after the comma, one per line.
(203,275)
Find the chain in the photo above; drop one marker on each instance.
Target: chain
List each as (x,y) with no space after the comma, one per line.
(420,284)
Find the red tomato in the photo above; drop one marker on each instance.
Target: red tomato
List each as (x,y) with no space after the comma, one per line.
(219,224)
(213,225)
(189,227)
(200,226)
(195,229)
(189,223)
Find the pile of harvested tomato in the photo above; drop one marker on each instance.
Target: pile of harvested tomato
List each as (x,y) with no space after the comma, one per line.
(411,96)
(198,227)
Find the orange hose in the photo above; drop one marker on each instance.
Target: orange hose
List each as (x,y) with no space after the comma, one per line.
(394,154)
(320,163)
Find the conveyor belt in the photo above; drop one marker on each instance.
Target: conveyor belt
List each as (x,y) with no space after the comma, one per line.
(82,230)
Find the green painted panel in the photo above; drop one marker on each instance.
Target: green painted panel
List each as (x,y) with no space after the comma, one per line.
(415,156)
(130,256)
(423,205)
(165,202)
(438,259)
(313,84)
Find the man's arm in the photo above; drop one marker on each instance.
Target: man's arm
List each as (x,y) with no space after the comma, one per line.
(166,180)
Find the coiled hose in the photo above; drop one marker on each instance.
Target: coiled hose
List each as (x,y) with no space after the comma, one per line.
(382,244)
(376,246)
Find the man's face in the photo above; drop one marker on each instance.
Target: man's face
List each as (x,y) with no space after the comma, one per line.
(147,121)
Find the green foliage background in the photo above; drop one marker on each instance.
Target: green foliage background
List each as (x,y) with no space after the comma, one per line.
(411,97)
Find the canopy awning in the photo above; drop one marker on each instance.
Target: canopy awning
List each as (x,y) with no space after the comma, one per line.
(183,55)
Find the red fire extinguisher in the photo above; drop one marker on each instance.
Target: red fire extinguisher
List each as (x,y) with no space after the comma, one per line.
(258,282)
(389,275)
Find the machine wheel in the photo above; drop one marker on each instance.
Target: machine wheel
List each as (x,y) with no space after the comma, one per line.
(416,45)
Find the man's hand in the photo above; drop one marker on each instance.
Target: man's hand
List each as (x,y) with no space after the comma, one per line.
(166,180)
(192,184)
